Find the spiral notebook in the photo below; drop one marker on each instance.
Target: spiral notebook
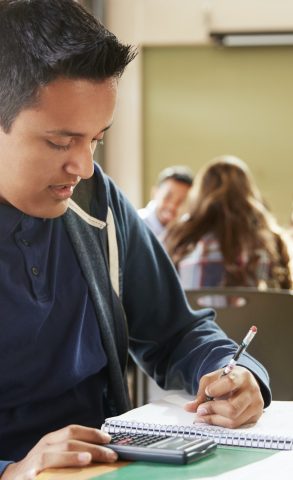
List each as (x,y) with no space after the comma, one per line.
(167,417)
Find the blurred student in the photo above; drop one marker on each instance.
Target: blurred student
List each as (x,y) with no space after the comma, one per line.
(290,229)
(168,195)
(289,232)
(228,237)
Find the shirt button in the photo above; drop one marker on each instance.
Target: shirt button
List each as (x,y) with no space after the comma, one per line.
(25,242)
(35,271)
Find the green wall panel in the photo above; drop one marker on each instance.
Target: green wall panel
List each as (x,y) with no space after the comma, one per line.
(200,102)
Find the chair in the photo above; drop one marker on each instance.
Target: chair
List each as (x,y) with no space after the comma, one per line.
(272,312)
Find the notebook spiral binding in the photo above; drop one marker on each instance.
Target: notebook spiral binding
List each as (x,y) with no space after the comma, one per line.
(218,434)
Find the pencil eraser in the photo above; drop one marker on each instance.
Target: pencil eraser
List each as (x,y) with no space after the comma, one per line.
(254,329)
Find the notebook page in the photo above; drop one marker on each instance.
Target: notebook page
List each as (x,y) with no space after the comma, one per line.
(277,419)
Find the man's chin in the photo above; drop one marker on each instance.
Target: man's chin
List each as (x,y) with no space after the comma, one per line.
(47,212)
(55,213)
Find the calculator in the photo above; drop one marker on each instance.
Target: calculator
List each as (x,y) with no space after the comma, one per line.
(157,448)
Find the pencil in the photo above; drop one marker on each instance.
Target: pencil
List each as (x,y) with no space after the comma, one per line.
(242,347)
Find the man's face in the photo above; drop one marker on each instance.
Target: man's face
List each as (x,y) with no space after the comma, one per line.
(50,147)
(169,196)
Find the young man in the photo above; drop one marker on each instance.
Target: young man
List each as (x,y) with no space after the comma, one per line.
(69,312)
(168,196)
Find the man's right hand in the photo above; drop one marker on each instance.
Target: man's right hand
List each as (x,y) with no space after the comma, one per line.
(72,446)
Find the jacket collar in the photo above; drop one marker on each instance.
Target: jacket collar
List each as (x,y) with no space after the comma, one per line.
(91,195)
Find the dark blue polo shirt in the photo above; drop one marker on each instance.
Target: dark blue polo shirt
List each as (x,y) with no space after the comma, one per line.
(52,362)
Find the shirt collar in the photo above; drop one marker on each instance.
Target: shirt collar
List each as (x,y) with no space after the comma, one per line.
(152,219)
(10,218)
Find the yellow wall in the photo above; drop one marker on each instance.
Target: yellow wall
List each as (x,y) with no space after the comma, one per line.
(199,102)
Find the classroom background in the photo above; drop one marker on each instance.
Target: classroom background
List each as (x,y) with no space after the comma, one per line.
(187,97)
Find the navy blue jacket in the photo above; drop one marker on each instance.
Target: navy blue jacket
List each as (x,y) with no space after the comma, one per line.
(149,315)
(172,343)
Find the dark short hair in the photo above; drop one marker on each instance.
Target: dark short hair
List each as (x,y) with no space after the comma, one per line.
(41,40)
(179,173)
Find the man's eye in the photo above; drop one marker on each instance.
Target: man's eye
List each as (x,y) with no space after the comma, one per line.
(58,147)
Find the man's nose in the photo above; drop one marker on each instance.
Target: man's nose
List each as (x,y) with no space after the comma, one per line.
(81,162)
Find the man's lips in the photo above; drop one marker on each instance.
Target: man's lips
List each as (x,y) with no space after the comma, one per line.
(64,191)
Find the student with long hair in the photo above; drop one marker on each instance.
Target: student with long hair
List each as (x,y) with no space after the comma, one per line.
(228,237)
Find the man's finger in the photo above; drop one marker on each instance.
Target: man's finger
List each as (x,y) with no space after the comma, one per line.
(77,432)
(64,459)
(215,419)
(98,453)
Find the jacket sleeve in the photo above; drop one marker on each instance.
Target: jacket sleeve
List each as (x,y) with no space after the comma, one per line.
(172,343)
(3,465)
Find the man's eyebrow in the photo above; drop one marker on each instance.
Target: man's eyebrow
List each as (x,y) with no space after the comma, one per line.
(69,133)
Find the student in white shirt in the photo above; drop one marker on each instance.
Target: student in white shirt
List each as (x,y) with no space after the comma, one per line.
(168,195)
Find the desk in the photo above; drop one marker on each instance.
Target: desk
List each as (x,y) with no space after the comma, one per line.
(226,464)
(79,473)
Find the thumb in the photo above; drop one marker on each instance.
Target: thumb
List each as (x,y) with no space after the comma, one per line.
(202,394)
(193,404)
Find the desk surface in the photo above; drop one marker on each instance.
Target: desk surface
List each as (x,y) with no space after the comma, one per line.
(226,464)
(80,473)
(220,462)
